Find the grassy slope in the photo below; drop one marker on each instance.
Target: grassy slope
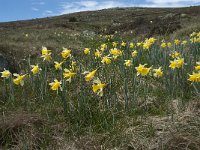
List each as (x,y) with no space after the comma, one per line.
(41,31)
(147,132)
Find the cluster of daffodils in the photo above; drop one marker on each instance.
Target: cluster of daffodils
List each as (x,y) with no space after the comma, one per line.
(195,76)
(97,85)
(130,55)
(144,71)
(177,63)
(195,37)
(148,43)
(68,74)
(18,79)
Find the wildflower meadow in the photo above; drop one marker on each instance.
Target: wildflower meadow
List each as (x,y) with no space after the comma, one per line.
(95,88)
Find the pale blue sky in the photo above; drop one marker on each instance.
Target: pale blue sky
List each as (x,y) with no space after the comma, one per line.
(11,10)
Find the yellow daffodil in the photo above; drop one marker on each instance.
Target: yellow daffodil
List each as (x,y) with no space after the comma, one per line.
(103,47)
(173,64)
(66,53)
(115,52)
(194,77)
(68,74)
(139,44)
(47,57)
(197,67)
(131,45)
(106,60)
(175,54)
(57,65)
(169,44)
(177,63)
(180,62)
(152,40)
(142,70)
(73,65)
(98,87)
(45,51)
(87,51)
(123,44)
(128,63)
(146,45)
(193,34)
(5,74)
(158,72)
(184,42)
(55,85)
(114,44)
(19,80)
(134,53)
(177,42)
(163,45)
(90,75)
(97,54)
(35,69)
(198,34)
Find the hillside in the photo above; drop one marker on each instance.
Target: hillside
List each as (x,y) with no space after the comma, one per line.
(72,30)
(113,79)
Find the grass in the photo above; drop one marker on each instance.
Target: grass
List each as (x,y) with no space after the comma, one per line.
(134,113)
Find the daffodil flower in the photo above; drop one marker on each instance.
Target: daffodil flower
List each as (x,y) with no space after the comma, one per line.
(197,67)
(194,77)
(169,44)
(134,53)
(68,75)
(139,44)
(123,44)
(47,57)
(128,63)
(115,52)
(131,45)
(114,44)
(35,69)
(177,42)
(177,63)
(158,72)
(175,54)
(97,54)
(57,65)
(152,40)
(5,74)
(87,51)
(45,51)
(142,70)
(106,60)
(19,80)
(98,87)
(90,75)
(55,85)
(103,47)
(184,42)
(66,53)
(163,45)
